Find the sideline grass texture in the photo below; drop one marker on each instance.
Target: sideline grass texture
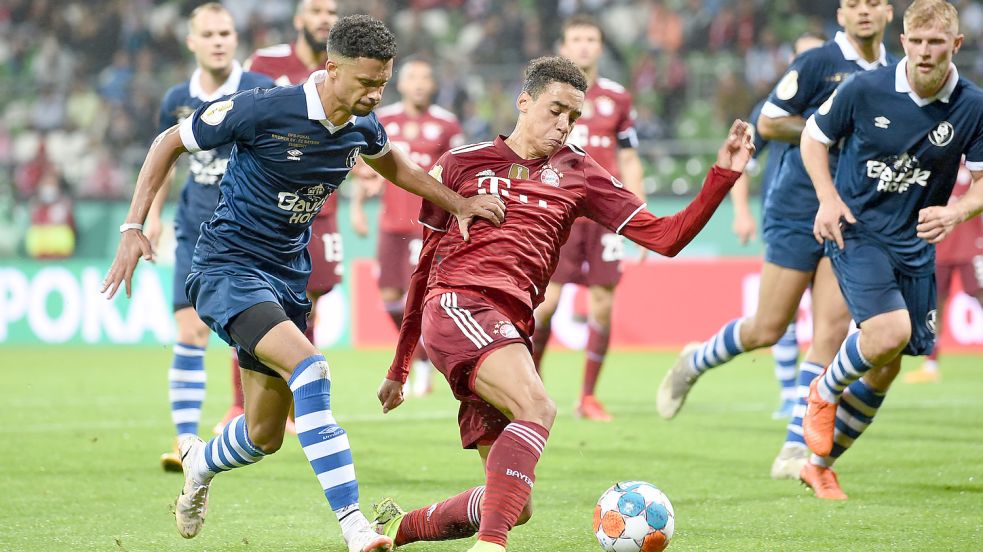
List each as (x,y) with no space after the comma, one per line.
(83,429)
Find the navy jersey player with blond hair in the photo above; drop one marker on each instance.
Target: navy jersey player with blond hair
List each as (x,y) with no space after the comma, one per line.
(904,131)
(292,147)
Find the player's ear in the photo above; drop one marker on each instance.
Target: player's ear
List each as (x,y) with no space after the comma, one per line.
(523,101)
(957,43)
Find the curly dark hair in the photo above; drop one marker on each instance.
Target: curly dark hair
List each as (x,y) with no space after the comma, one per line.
(356,36)
(543,70)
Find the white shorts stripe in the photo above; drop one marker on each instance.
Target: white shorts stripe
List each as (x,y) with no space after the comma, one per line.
(337,476)
(445,303)
(467,314)
(327,448)
(314,420)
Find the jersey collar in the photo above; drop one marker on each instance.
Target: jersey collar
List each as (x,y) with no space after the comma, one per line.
(229,87)
(315,111)
(902,85)
(851,54)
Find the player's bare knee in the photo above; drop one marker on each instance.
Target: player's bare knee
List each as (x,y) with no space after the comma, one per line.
(266,435)
(540,409)
(761,333)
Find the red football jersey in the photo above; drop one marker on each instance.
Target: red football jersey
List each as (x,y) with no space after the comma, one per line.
(966,241)
(281,64)
(424,138)
(510,266)
(606,124)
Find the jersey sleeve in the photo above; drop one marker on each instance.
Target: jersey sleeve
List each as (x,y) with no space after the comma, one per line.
(167,118)
(378,140)
(608,202)
(221,122)
(793,95)
(411,326)
(433,217)
(626,133)
(834,118)
(669,235)
(974,153)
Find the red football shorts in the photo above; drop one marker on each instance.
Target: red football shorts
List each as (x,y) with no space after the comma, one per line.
(591,257)
(460,330)
(327,255)
(970,272)
(398,255)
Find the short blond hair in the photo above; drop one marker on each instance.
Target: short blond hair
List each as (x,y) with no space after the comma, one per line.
(209,6)
(931,13)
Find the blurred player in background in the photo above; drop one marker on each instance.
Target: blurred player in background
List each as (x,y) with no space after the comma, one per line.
(212,39)
(592,255)
(293,64)
(961,252)
(423,131)
(473,302)
(793,259)
(786,350)
(903,131)
(294,146)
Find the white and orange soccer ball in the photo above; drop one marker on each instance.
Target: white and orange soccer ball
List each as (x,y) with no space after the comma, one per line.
(633,516)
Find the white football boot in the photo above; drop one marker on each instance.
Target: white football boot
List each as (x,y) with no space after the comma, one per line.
(676,385)
(193,502)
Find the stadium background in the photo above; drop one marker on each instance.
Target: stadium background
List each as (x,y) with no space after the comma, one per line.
(81,83)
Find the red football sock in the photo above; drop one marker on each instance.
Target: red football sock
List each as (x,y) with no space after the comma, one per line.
(237,399)
(934,355)
(510,474)
(455,518)
(540,337)
(598,339)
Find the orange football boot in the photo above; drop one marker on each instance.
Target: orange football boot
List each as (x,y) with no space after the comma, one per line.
(822,481)
(819,422)
(591,409)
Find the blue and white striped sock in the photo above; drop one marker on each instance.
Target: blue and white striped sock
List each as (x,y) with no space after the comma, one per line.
(786,353)
(808,371)
(723,346)
(854,415)
(186,382)
(848,366)
(229,450)
(324,442)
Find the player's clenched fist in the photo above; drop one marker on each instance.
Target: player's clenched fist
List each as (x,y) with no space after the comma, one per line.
(737,149)
(390,395)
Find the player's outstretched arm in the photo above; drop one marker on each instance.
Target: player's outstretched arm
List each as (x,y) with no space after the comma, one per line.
(397,168)
(743,226)
(133,245)
(669,235)
(937,222)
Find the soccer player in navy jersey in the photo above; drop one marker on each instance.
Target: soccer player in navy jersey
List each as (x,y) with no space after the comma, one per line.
(786,350)
(473,302)
(793,259)
(904,129)
(212,39)
(292,147)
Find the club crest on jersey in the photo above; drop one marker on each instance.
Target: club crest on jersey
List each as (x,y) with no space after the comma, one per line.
(942,134)
(549,176)
(353,156)
(216,112)
(505,329)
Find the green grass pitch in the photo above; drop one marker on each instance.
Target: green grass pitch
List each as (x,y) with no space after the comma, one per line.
(83,429)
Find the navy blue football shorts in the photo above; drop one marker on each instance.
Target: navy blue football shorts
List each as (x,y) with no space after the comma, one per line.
(872,285)
(791,247)
(186,236)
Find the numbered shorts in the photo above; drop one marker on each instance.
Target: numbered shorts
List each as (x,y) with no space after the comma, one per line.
(220,294)
(872,285)
(327,253)
(591,257)
(398,255)
(460,331)
(970,272)
(791,246)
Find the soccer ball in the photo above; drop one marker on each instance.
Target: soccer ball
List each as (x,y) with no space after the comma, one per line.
(633,516)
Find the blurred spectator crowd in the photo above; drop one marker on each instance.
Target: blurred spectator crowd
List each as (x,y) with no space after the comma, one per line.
(81,81)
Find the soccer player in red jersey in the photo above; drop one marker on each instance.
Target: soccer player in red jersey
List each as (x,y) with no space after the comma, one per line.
(424,131)
(592,255)
(960,253)
(473,301)
(293,64)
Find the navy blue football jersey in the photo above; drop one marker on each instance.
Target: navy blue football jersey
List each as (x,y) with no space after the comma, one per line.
(900,153)
(200,192)
(773,159)
(807,83)
(286,159)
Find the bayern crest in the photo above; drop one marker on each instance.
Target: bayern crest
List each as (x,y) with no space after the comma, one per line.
(506,329)
(550,176)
